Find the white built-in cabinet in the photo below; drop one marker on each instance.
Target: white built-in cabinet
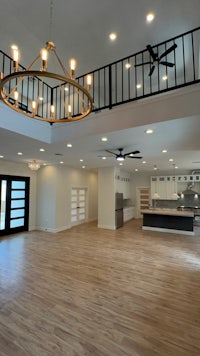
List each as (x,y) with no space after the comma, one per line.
(129,213)
(163,187)
(122,184)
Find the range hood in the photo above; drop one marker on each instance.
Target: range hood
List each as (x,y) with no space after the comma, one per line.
(189,192)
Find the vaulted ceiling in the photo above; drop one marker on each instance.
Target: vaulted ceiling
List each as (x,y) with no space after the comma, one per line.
(80,29)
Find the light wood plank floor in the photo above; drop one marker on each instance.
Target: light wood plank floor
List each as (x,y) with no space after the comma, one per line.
(95,292)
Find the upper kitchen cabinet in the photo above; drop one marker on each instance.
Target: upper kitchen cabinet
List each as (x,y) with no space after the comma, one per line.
(122,183)
(164,187)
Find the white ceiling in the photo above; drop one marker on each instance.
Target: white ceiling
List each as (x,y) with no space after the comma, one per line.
(80,29)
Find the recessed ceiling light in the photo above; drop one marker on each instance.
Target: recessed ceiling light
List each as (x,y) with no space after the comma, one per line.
(138,86)
(155,168)
(149,131)
(136,170)
(104,157)
(144,162)
(164,151)
(1,156)
(69,145)
(42,150)
(66,89)
(61,162)
(121,164)
(171,160)
(83,166)
(176,167)
(81,160)
(20,153)
(113,36)
(164,77)
(150,17)
(128,65)
(104,139)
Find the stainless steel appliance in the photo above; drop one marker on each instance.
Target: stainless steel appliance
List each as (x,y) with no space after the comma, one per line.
(119,220)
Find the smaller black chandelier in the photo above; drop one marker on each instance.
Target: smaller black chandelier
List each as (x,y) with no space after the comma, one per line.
(44,95)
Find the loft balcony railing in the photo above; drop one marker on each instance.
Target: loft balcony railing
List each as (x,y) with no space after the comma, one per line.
(123,81)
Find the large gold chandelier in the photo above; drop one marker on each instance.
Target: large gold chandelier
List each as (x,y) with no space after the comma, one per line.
(43,95)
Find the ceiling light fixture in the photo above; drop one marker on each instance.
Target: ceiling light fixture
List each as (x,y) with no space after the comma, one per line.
(127,65)
(104,139)
(34,166)
(120,158)
(22,89)
(150,17)
(113,36)
(149,131)
(69,145)
(164,151)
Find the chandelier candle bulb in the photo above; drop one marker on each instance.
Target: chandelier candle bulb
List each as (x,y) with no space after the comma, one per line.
(89,81)
(34,106)
(44,57)
(16,95)
(72,64)
(15,57)
(69,110)
(52,109)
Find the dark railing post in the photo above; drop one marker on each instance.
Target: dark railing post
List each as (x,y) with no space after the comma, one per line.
(110,86)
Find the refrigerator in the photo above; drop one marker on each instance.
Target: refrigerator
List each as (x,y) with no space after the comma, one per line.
(119,220)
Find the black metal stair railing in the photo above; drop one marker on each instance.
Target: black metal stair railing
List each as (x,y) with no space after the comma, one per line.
(123,81)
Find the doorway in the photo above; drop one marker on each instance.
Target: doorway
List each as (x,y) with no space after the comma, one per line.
(14,204)
(78,206)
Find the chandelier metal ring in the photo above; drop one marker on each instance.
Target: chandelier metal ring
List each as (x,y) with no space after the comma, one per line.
(34,73)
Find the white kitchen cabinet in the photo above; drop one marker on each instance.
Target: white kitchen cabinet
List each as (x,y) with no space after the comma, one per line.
(129,213)
(123,184)
(163,187)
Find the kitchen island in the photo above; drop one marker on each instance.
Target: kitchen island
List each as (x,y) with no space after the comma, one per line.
(168,220)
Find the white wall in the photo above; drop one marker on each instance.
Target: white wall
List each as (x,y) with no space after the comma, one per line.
(54,196)
(106,198)
(20,169)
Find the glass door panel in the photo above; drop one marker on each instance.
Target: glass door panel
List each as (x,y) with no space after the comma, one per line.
(14,207)
(78,205)
(3,204)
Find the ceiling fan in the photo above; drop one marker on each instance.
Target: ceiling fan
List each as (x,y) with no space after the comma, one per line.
(121,157)
(158,59)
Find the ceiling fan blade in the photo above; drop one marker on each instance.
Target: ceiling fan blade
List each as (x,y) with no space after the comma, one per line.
(152,53)
(137,157)
(168,64)
(169,50)
(141,64)
(151,71)
(113,153)
(131,153)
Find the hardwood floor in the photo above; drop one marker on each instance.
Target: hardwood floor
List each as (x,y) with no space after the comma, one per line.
(95,292)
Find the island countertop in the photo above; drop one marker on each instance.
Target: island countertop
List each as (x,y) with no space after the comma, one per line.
(172,212)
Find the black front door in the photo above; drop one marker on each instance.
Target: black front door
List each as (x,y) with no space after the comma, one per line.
(14,204)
